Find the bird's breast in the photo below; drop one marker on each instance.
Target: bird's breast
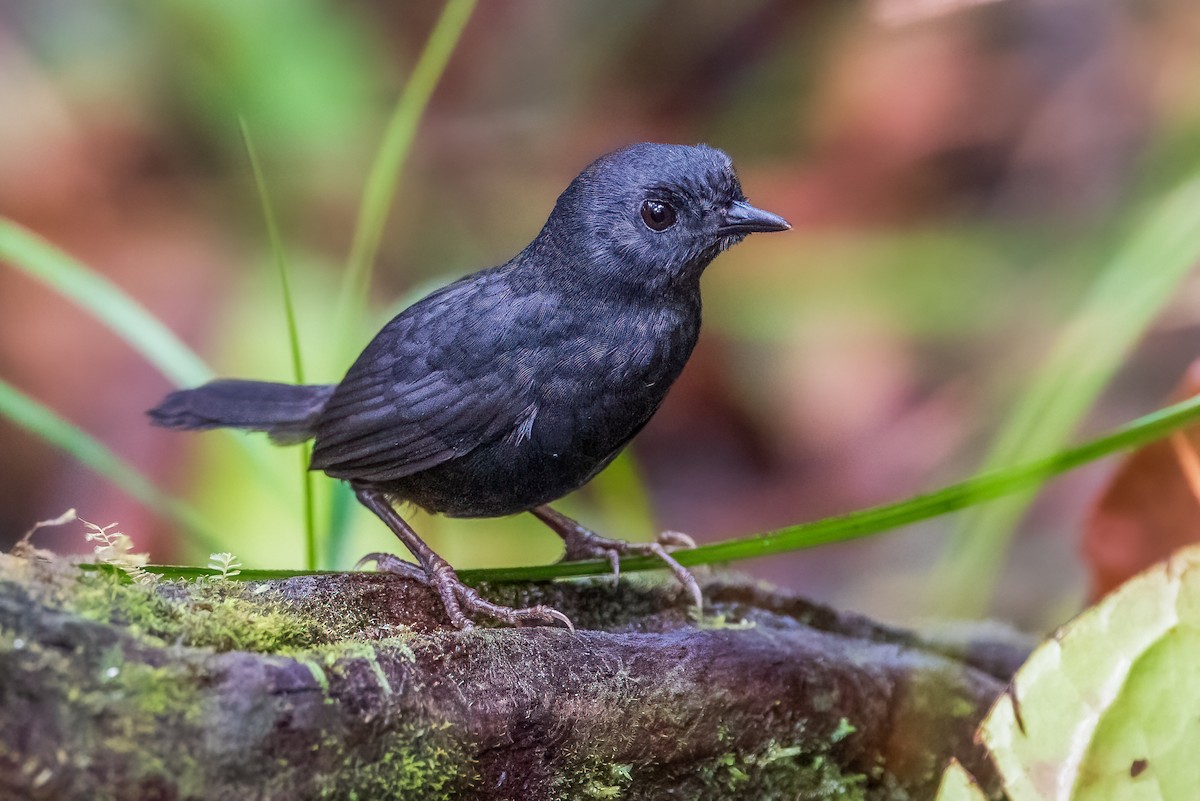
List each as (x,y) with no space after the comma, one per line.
(608,380)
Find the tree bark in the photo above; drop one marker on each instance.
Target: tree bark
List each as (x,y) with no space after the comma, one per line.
(350,685)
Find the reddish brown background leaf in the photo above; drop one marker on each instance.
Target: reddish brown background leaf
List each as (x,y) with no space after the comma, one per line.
(1147,511)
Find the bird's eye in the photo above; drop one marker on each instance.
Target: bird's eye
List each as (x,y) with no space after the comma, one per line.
(658,215)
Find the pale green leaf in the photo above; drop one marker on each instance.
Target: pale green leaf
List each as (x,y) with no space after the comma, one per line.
(1106,710)
(959,785)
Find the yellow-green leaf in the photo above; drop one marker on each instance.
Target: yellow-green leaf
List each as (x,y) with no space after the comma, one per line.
(1109,708)
(959,785)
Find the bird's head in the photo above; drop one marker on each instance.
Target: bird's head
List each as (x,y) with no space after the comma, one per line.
(653,215)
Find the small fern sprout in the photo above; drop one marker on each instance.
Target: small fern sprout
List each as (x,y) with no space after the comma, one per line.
(116,549)
(225,563)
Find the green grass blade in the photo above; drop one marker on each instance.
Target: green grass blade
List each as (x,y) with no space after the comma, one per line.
(188,572)
(105,301)
(39,420)
(306,476)
(310,509)
(342,507)
(975,491)
(378,193)
(622,500)
(389,161)
(1130,291)
(277,251)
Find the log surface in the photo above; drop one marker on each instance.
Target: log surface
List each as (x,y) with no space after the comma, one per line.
(351,686)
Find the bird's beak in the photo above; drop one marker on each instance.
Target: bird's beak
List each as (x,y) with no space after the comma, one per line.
(742,218)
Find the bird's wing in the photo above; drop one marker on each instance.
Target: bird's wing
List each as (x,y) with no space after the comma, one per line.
(439,380)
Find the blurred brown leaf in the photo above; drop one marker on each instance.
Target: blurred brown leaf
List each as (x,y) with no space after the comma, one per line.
(1149,509)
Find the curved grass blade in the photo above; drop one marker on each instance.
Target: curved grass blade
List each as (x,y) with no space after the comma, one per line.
(380,188)
(1131,290)
(306,476)
(277,251)
(119,312)
(975,491)
(877,519)
(44,423)
(105,301)
(342,507)
(389,161)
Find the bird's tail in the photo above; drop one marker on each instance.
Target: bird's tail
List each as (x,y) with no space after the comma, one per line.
(287,412)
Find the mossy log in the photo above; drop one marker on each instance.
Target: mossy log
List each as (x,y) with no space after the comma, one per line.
(352,686)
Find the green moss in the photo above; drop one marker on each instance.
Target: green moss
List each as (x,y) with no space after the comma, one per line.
(322,659)
(224,616)
(961,708)
(414,763)
(106,705)
(619,778)
(154,692)
(137,701)
(610,604)
(775,772)
(317,670)
(781,772)
(593,778)
(730,771)
(220,615)
(844,729)
(117,707)
(717,621)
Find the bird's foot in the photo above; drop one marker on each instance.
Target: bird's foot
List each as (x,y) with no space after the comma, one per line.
(462,603)
(583,543)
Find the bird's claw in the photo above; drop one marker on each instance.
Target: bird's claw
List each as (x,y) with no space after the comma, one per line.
(390,563)
(585,544)
(672,540)
(682,574)
(470,604)
(537,614)
(461,602)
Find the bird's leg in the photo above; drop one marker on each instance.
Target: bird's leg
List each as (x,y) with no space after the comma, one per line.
(583,543)
(461,602)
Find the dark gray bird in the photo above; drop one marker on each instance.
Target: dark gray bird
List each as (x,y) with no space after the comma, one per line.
(515,385)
